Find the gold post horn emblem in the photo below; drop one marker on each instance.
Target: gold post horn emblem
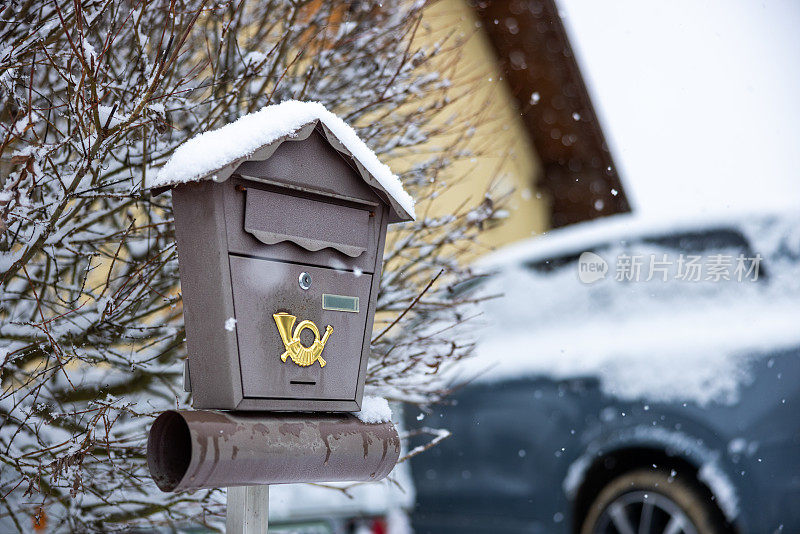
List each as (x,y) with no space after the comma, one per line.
(299,353)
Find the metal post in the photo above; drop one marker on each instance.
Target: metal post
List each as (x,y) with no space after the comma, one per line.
(248,510)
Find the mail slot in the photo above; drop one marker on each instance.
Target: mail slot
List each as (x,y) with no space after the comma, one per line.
(280,251)
(345,229)
(270,222)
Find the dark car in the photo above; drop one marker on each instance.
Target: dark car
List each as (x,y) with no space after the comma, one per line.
(627,406)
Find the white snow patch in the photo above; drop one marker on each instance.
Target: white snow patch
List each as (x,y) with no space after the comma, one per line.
(298,502)
(575,475)
(89,53)
(699,354)
(105,113)
(230,324)
(158,107)
(254,58)
(397,522)
(210,151)
(374,410)
(722,488)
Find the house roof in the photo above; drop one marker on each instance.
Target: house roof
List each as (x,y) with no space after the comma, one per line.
(537,61)
(217,153)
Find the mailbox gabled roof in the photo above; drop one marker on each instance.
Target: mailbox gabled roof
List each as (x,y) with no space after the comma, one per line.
(216,154)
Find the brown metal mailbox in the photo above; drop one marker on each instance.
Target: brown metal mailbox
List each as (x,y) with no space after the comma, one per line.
(280,256)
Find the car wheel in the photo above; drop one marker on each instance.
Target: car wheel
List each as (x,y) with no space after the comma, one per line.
(652,502)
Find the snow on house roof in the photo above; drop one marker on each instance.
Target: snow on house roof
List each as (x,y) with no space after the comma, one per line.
(216,154)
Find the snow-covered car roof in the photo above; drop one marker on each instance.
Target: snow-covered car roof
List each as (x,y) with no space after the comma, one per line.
(657,340)
(217,153)
(608,230)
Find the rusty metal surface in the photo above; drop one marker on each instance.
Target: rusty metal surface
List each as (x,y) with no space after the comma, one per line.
(205,449)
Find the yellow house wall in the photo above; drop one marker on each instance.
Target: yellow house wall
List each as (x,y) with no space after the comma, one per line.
(504,155)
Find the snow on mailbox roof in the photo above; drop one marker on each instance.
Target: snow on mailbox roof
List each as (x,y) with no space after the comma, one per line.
(216,154)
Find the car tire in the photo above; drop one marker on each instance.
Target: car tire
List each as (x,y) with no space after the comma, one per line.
(677,505)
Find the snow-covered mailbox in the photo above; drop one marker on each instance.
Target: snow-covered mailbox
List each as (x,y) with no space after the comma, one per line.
(280,220)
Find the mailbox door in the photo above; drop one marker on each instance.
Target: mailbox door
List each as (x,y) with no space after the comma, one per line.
(263,288)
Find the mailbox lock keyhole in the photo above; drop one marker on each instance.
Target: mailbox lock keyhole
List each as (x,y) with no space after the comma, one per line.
(304,281)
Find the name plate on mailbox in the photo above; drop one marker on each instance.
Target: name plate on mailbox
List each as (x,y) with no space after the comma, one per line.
(339,303)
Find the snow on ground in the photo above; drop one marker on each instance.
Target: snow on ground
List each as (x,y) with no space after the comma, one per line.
(210,151)
(662,341)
